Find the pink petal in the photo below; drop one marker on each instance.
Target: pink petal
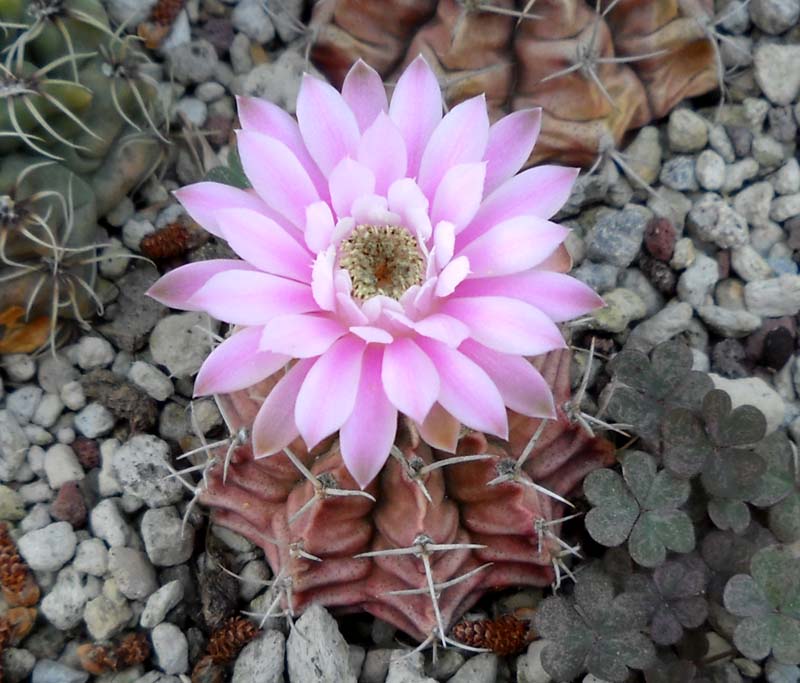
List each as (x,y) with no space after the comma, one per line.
(237,363)
(364,93)
(327,124)
(466,390)
(440,429)
(322,286)
(261,116)
(265,244)
(175,288)
(328,394)
(539,191)
(203,200)
(319,226)
(370,209)
(383,150)
(511,142)
(416,109)
(512,246)
(558,296)
(301,336)
(367,435)
(444,328)
(252,298)
(452,275)
(274,427)
(349,311)
(406,199)
(372,335)
(349,181)
(277,176)
(444,240)
(506,325)
(459,138)
(521,385)
(459,194)
(409,378)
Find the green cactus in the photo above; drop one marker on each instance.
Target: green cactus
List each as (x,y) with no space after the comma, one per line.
(78,131)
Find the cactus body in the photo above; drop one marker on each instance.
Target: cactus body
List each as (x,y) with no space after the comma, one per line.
(597,72)
(432,541)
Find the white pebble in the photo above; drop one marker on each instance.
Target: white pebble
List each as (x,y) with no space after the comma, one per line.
(61,465)
(94,352)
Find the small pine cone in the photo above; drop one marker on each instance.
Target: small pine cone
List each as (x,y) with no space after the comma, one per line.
(170,241)
(19,586)
(505,635)
(166,11)
(226,642)
(98,659)
(133,649)
(206,671)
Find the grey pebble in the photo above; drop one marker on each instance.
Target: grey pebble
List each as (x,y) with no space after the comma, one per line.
(171,648)
(678,174)
(775,297)
(181,342)
(151,380)
(776,71)
(91,557)
(13,444)
(249,17)
(617,236)
(63,605)
(192,62)
(165,541)
(133,573)
(106,618)
(94,420)
(775,16)
(94,352)
(673,319)
(696,283)
(729,323)
(61,465)
(161,602)
(19,367)
(49,548)
(316,650)
(24,401)
(710,170)
(262,660)
(479,669)
(140,466)
(48,671)
(407,667)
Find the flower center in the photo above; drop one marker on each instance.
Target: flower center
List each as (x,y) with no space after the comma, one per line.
(381,259)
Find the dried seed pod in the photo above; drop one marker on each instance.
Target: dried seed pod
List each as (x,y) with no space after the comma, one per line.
(226,642)
(19,586)
(102,658)
(168,242)
(505,635)
(133,649)
(206,671)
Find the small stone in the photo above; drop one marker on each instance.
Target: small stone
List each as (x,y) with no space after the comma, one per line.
(754,111)
(447,663)
(749,265)
(48,671)
(278,81)
(151,380)
(262,660)
(659,238)
(94,420)
(48,411)
(12,507)
(191,109)
(69,505)
(241,59)
(192,62)
(250,18)
(663,326)
(134,575)
(671,205)
(729,293)
(141,467)
(134,231)
(697,281)
(756,392)
(94,352)
(785,207)
(17,664)
(754,203)
(660,274)
(165,541)
(13,444)
(130,12)
(778,348)
(254,577)
(644,154)
(775,16)
(622,307)
(775,297)
(19,367)
(407,667)
(316,649)
(91,557)
(729,323)
(678,174)
(782,125)
(23,402)
(37,518)
(108,523)
(776,71)
(61,465)
(617,237)
(684,254)
(686,131)
(35,492)
(712,220)
(181,342)
(208,92)
(529,665)
(786,180)
(171,649)
(710,170)
(114,260)
(63,605)
(48,549)
(72,395)
(479,669)
(106,618)
(728,359)
(719,141)
(737,174)
(601,277)
(376,665)
(768,152)
(161,602)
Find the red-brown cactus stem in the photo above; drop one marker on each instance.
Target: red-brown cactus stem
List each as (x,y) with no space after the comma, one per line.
(377,32)
(469,51)
(674,27)
(428,536)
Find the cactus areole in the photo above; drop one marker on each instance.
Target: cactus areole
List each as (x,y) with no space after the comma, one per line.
(395,449)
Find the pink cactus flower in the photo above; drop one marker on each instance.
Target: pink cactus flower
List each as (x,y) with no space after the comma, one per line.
(392,261)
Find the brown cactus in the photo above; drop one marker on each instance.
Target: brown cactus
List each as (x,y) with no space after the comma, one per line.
(428,536)
(598,69)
